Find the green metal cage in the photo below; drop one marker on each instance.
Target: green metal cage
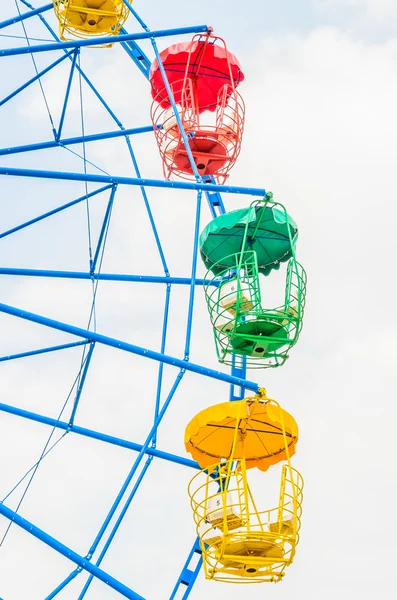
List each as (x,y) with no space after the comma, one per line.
(245,332)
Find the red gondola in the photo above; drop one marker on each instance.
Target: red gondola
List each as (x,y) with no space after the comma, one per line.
(203,76)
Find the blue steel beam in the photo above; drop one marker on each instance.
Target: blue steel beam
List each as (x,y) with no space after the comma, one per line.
(53,212)
(27,15)
(137,55)
(106,135)
(161,365)
(35,78)
(43,350)
(189,573)
(158,183)
(116,525)
(193,277)
(148,208)
(108,39)
(134,53)
(68,88)
(103,276)
(125,346)
(97,435)
(68,553)
(81,383)
(62,585)
(104,228)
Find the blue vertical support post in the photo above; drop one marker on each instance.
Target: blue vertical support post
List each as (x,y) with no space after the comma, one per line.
(104,228)
(161,365)
(193,276)
(147,206)
(189,573)
(68,88)
(81,383)
(238,392)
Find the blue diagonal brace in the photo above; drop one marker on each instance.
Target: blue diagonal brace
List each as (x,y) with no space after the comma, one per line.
(97,435)
(27,15)
(68,553)
(104,228)
(81,383)
(42,350)
(132,348)
(53,211)
(68,88)
(106,135)
(35,78)
(189,573)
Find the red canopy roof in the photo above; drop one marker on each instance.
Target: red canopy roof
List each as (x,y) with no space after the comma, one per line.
(208,67)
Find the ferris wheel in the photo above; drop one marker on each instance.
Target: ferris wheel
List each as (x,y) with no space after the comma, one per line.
(74,196)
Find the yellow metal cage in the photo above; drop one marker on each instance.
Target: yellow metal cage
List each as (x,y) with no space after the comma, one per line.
(83,19)
(241,543)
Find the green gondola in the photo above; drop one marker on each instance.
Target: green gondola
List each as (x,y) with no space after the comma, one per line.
(261,238)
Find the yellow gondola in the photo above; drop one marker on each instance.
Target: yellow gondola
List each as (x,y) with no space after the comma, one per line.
(239,542)
(83,19)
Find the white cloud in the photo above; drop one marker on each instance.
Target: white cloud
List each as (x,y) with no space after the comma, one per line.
(367,13)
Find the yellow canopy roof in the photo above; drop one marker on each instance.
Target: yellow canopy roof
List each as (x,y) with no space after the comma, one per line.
(209,436)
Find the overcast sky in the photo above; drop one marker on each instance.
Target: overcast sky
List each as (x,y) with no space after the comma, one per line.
(321,96)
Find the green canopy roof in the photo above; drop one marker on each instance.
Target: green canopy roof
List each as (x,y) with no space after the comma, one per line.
(267,234)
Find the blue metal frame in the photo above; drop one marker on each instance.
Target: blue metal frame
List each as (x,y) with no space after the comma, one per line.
(68,553)
(93,336)
(140,181)
(96,435)
(100,276)
(237,379)
(110,39)
(75,140)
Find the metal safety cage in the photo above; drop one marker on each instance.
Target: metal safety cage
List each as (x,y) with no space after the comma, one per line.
(214,138)
(83,19)
(245,332)
(239,543)
(203,76)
